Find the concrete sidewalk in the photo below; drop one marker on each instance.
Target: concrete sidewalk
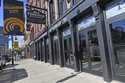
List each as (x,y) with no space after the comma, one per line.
(30,71)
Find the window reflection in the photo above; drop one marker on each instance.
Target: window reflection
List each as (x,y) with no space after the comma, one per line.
(86,23)
(115,8)
(67,32)
(118,39)
(118,32)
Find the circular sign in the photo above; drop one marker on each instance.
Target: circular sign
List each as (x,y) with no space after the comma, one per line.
(13,26)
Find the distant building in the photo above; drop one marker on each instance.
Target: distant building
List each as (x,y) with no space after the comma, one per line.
(3,41)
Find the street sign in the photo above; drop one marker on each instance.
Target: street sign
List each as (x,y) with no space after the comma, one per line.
(13,17)
(36,15)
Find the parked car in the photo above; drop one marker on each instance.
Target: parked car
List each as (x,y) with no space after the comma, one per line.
(2,62)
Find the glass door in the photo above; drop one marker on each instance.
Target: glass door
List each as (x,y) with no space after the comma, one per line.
(83,53)
(94,53)
(118,42)
(115,30)
(89,50)
(69,58)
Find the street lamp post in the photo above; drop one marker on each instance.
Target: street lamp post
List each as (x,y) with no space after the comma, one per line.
(12,52)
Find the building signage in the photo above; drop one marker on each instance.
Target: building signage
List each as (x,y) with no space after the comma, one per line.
(13,17)
(36,15)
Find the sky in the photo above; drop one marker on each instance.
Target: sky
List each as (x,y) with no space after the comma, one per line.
(20,39)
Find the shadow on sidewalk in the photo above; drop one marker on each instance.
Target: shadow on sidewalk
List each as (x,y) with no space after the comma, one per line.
(11,75)
(10,65)
(68,77)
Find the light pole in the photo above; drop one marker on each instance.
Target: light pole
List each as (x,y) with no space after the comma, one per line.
(12,52)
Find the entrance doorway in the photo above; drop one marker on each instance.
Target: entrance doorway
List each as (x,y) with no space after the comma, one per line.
(68,55)
(69,58)
(89,50)
(117,30)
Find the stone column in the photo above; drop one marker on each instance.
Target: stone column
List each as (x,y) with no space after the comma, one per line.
(45,54)
(36,50)
(61,60)
(101,33)
(74,46)
(51,49)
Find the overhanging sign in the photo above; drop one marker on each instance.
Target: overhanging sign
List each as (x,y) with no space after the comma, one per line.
(13,17)
(36,15)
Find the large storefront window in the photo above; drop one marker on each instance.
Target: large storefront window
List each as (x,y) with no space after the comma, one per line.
(86,23)
(88,44)
(118,39)
(115,8)
(67,42)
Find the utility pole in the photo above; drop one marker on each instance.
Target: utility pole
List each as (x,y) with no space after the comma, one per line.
(12,51)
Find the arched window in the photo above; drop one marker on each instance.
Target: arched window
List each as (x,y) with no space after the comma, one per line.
(68,3)
(52,11)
